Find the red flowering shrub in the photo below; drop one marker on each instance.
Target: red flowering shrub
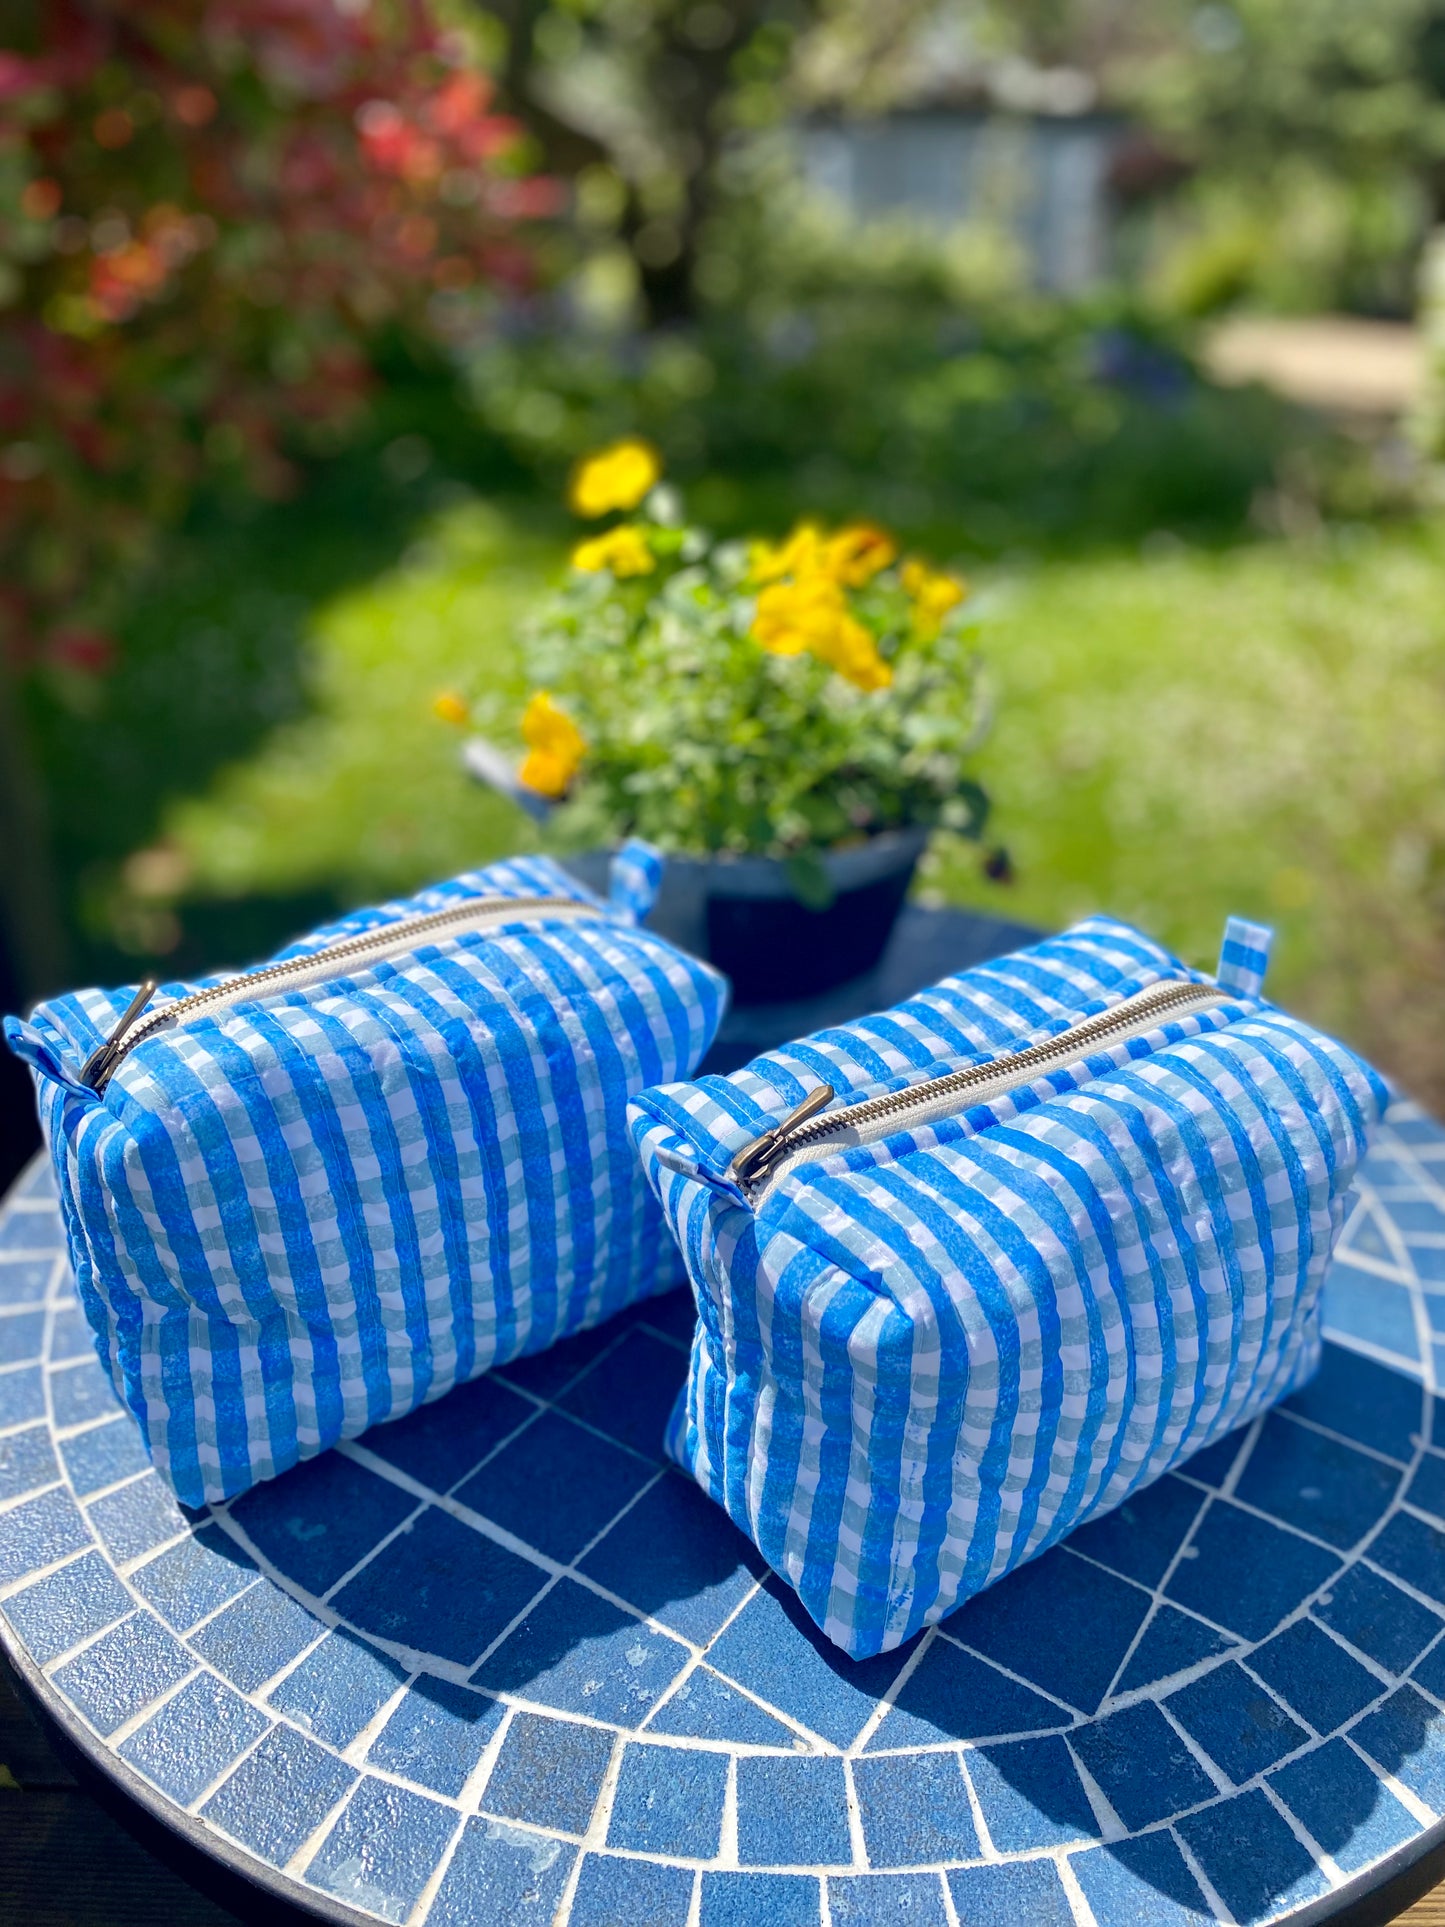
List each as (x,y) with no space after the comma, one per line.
(206,206)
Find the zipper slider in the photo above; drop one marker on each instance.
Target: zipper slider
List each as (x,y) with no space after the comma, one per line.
(101,1062)
(751,1164)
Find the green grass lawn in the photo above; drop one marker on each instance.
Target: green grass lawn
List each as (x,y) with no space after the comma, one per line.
(1180,733)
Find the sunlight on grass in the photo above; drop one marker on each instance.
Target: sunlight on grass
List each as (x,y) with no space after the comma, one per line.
(368,793)
(1179,735)
(1260,730)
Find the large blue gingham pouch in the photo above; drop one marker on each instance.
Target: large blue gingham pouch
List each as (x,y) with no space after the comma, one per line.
(972,1271)
(346,1182)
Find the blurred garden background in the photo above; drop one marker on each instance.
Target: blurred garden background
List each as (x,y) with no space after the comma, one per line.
(308,307)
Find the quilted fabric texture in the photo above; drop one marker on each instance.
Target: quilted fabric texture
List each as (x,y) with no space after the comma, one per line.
(318,1209)
(923,1360)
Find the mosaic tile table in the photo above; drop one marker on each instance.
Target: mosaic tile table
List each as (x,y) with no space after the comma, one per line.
(494,1663)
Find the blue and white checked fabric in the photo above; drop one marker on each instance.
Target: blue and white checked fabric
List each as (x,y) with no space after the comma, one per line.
(923,1360)
(318,1209)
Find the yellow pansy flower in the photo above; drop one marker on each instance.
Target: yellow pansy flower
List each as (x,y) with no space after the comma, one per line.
(933,593)
(555,747)
(616,477)
(794,616)
(853,653)
(451,707)
(801,554)
(623,551)
(855,554)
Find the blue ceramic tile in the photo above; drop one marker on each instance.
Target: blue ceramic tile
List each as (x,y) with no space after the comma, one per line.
(1346,1809)
(38,1533)
(705,1707)
(886,1900)
(1172,1642)
(1248,1575)
(1008,1896)
(915,1810)
(316,1521)
(1251,1857)
(1361,1304)
(677,1557)
(136,1519)
(1383,1622)
(1354,1396)
(669,1799)
(792,1812)
(1031,1795)
(1214,1464)
(437,1734)
(383,1849)
(36,1181)
(279,1795)
(1416,1215)
(31,1231)
(70,1335)
(22,1395)
(1141,1883)
(1313,1674)
(1415,1552)
(544,1374)
(1140,1537)
(193,1738)
(548,1772)
(26,1462)
(951,1695)
(629,1393)
(56,1613)
(1407,1738)
(776,1651)
(21,1336)
(254,1638)
(123,1671)
(674,1315)
(612,1892)
(80,1393)
(759,1900)
(584,1655)
(440,1443)
(1143,1768)
(23,1280)
(194,1578)
(1239,1725)
(104,1456)
(1315,1483)
(1430,1671)
(502,1872)
(440,1587)
(1029,1623)
(338,1688)
(587,1482)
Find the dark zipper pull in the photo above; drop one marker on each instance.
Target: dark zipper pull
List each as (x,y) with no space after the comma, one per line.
(99,1064)
(751,1161)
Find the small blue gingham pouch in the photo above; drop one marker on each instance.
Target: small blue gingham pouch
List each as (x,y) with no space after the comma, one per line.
(974,1270)
(316,1195)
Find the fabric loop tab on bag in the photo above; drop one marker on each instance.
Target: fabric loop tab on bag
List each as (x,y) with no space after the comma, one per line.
(634,878)
(1244,957)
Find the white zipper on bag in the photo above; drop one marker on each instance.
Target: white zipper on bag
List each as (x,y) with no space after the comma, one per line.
(811,1131)
(316,967)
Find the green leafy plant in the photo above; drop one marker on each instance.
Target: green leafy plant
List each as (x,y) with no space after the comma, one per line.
(744,698)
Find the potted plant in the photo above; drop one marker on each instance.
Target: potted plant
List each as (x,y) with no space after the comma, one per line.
(788,721)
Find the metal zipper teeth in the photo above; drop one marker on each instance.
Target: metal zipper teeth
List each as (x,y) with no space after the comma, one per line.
(104,1062)
(756,1164)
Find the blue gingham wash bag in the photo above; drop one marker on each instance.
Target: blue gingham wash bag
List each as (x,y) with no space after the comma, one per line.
(974,1270)
(313,1196)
